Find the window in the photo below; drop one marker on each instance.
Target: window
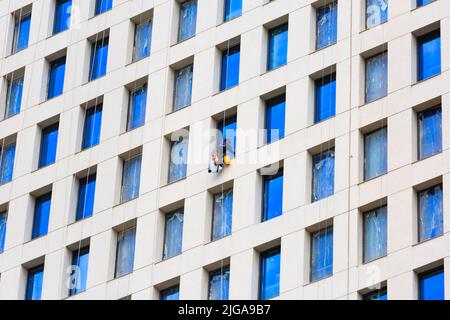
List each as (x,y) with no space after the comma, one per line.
(13,96)
(131,178)
(430,132)
(431,285)
(375,234)
(269,278)
(380,294)
(278,45)
(429,55)
(233,9)
(227,128)
(273,196)
(229,76)
(275,118)
(92,127)
(376,77)
(172,293)
(142,40)
(125,252)
(49,142)
(173,235)
(431,218)
(102,6)
(41,215)
(376,12)
(188,20)
(219,282)
(178,159)
(3,221)
(323,175)
(56,77)
(183,87)
(137,107)
(423,2)
(86,196)
(322,254)
(35,278)
(99,58)
(326,25)
(62,15)
(375,154)
(325,98)
(78,277)
(7,154)
(21,32)
(222,214)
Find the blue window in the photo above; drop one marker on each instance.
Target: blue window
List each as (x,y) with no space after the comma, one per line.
(102,6)
(423,2)
(431,285)
(380,294)
(375,234)
(429,55)
(278,45)
(137,107)
(7,154)
(172,293)
(376,12)
(323,175)
(125,252)
(78,277)
(178,159)
(222,214)
(375,154)
(431,221)
(233,9)
(142,40)
(321,254)
(41,215)
(34,283)
(376,77)
(219,283)
(92,127)
(62,15)
(173,234)
(273,196)
(131,178)
(275,118)
(188,20)
(227,130)
(21,33)
(183,87)
(229,76)
(14,97)
(430,132)
(86,196)
(56,77)
(49,142)
(326,25)
(99,59)
(3,221)
(325,98)
(269,278)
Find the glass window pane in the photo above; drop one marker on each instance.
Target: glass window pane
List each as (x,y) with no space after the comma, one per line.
(62,15)
(103,6)
(178,159)
(275,118)
(41,215)
(172,293)
(322,254)
(376,295)
(273,196)
(125,252)
(222,214)
(375,154)
(430,132)
(142,40)
(7,155)
(99,59)
(229,76)
(188,20)
(233,9)
(219,282)
(34,283)
(92,127)
(326,25)
(269,274)
(376,77)
(423,2)
(432,285)
(49,141)
(431,223)
(429,55)
(278,45)
(21,33)
(325,98)
(173,235)
(14,97)
(131,178)
(323,175)
(56,78)
(183,88)
(86,195)
(376,12)
(375,234)
(3,221)
(137,108)
(80,260)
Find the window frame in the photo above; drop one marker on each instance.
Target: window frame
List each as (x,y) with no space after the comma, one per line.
(262,275)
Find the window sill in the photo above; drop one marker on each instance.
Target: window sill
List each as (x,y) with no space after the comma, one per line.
(57,33)
(372,101)
(425,79)
(424,5)
(179,109)
(93,80)
(173,182)
(366,28)
(323,48)
(167,259)
(311,282)
(373,260)
(273,69)
(122,203)
(43,167)
(12,116)
(423,159)
(428,240)
(321,121)
(136,61)
(225,90)
(184,40)
(373,178)
(131,130)
(226,21)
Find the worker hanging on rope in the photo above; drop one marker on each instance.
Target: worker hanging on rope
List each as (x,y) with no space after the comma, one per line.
(221,158)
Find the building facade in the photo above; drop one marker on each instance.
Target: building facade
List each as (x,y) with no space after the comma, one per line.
(332,119)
